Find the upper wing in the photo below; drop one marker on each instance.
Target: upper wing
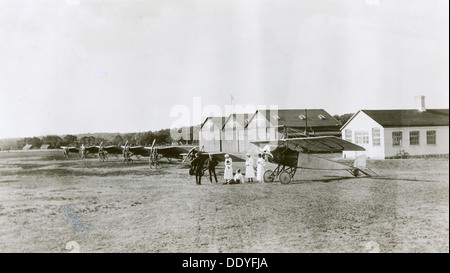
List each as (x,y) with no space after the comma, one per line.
(92,149)
(113,149)
(173,151)
(74,150)
(140,150)
(325,144)
(220,156)
(70,149)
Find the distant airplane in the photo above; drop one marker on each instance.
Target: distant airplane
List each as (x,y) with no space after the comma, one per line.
(168,152)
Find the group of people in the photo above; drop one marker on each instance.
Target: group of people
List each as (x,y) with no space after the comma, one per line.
(199,164)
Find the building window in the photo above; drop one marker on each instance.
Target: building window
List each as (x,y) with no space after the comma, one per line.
(321,116)
(431,137)
(348,135)
(302,117)
(361,137)
(397,138)
(414,138)
(376,137)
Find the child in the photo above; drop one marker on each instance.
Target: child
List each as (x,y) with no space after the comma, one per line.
(238,178)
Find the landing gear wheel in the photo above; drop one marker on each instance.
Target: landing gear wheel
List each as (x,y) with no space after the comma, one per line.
(355,173)
(268,176)
(285,177)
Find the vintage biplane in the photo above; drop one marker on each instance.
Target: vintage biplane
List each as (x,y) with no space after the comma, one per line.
(298,153)
(68,150)
(302,153)
(168,152)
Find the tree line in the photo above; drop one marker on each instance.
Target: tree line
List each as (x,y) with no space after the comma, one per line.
(161,137)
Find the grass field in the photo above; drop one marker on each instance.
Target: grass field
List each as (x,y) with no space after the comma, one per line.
(133,208)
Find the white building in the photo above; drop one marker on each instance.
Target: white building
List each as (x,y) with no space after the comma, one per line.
(234,135)
(210,134)
(385,133)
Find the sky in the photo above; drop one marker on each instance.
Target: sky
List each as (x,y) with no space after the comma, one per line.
(77,66)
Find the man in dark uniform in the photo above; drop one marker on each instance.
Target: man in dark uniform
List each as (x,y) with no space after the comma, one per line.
(101,154)
(198,164)
(211,164)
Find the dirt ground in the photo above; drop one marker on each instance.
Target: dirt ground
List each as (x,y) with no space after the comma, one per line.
(132,208)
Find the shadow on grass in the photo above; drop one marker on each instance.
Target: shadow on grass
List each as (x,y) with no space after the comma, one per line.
(343,178)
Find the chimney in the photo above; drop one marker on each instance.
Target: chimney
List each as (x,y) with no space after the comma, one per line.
(420,103)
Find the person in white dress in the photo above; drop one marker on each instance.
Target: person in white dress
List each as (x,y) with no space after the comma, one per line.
(260,168)
(249,168)
(228,172)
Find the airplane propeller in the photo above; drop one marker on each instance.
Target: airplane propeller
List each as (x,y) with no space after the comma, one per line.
(266,150)
(188,154)
(153,145)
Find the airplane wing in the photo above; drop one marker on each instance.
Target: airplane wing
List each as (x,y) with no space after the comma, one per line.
(74,150)
(113,149)
(71,149)
(220,156)
(325,144)
(92,149)
(140,150)
(173,151)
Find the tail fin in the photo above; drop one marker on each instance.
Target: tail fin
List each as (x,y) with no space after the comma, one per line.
(360,164)
(360,161)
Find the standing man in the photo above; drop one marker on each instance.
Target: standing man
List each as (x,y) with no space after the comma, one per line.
(126,155)
(101,154)
(198,164)
(66,152)
(154,158)
(83,152)
(211,163)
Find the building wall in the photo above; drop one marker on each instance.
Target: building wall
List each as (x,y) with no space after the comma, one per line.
(257,128)
(441,146)
(210,137)
(363,123)
(230,138)
(234,141)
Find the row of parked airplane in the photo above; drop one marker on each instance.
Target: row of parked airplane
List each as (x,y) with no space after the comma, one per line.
(179,152)
(288,154)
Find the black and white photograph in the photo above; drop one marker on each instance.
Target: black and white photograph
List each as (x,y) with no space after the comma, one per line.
(224,127)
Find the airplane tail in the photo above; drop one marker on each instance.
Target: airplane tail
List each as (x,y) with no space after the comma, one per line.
(360,164)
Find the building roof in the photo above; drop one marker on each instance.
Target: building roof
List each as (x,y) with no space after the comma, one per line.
(241,119)
(407,117)
(297,117)
(217,121)
(27,147)
(44,146)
